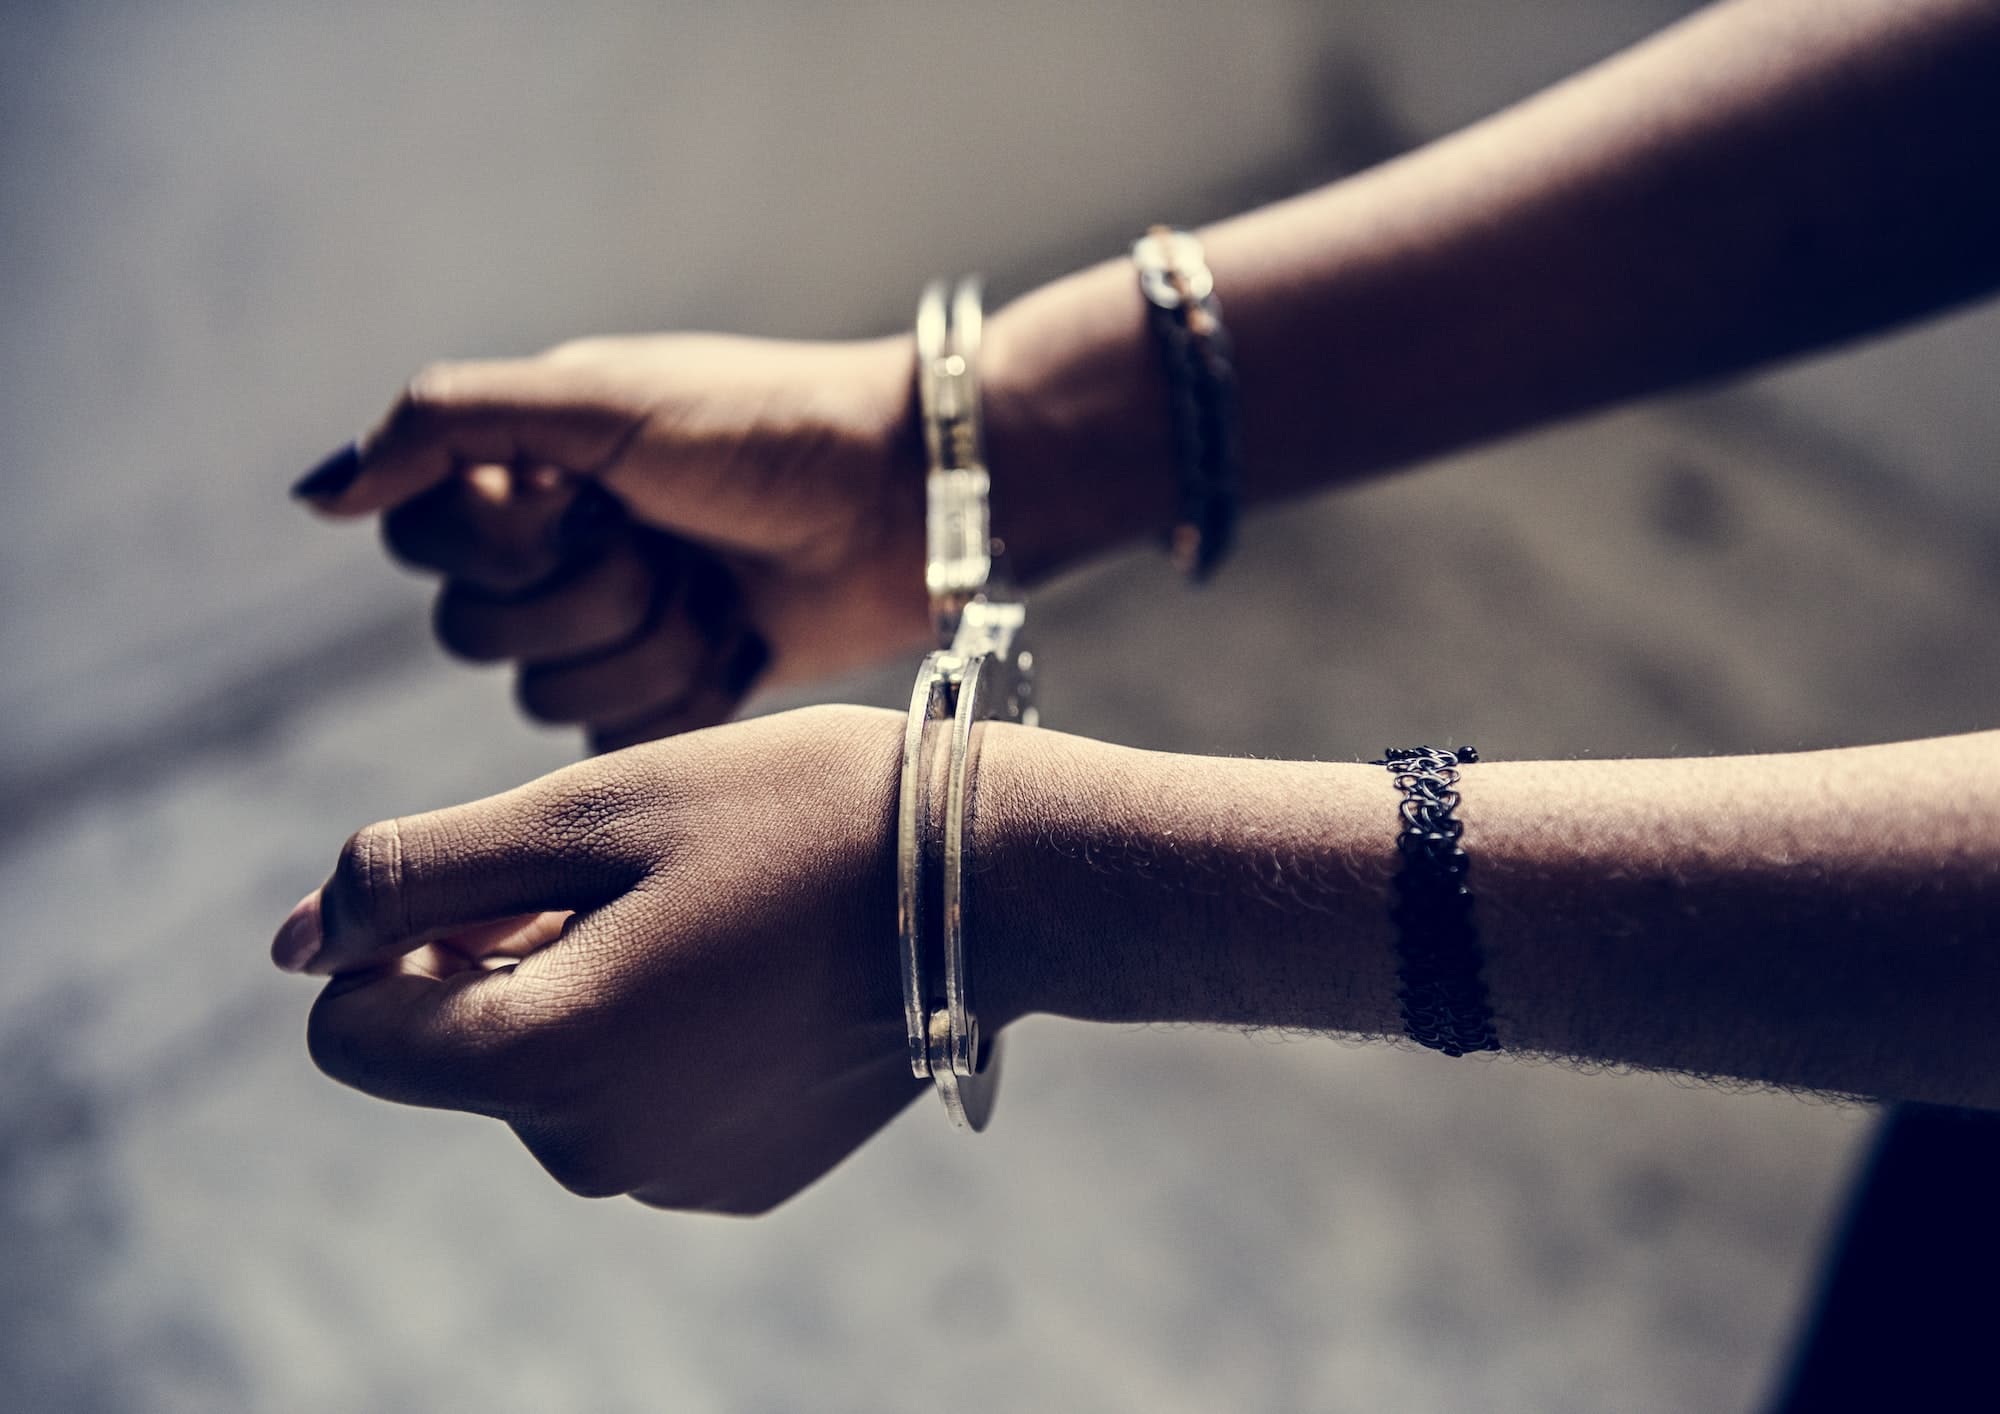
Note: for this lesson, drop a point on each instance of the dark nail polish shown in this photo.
(330, 477)
(588, 520)
(747, 665)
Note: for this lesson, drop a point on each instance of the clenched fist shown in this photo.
(648, 525)
(672, 970)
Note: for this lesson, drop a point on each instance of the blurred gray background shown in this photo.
(229, 232)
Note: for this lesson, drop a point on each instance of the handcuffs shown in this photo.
(980, 672)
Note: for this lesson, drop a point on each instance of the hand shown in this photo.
(671, 970)
(648, 525)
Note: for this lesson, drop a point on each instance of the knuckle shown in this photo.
(601, 816)
(580, 350)
(429, 391)
(367, 880)
(596, 823)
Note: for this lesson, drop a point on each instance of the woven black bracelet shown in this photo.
(1200, 367)
(1438, 962)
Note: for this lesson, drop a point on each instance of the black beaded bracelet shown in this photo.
(1438, 961)
(1201, 381)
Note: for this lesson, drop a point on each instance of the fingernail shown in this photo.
(330, 477)
(299, 936)
(587, 520)
(750, 661)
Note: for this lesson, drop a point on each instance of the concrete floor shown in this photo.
(231, 230)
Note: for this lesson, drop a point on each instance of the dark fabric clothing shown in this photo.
(1911, 1290)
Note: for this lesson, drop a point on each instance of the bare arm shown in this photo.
(1766, 177)
(1769, 176)
(1827, 920)
(673, 969)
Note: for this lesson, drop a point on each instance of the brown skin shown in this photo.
(706, 1033)
(768, 492)
(1768, 176)
(592, 959)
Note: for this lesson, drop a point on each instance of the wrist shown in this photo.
(1019, 826)
(1112, 884)
(893, 436)
(1077, 422)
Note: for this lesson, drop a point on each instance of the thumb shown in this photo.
(506, 412)
(403, 883)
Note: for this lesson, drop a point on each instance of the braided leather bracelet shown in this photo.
(1200, 368)
(1438, 962)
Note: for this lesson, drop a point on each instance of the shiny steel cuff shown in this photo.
(981, 673)
(958, 533)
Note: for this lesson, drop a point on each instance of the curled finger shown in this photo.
(600, 603)
(650, 673)
(502, 530)
(712, 700)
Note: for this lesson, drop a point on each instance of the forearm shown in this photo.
(1766, 177)
(1828, 920)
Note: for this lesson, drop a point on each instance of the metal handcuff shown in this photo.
(980, 672)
